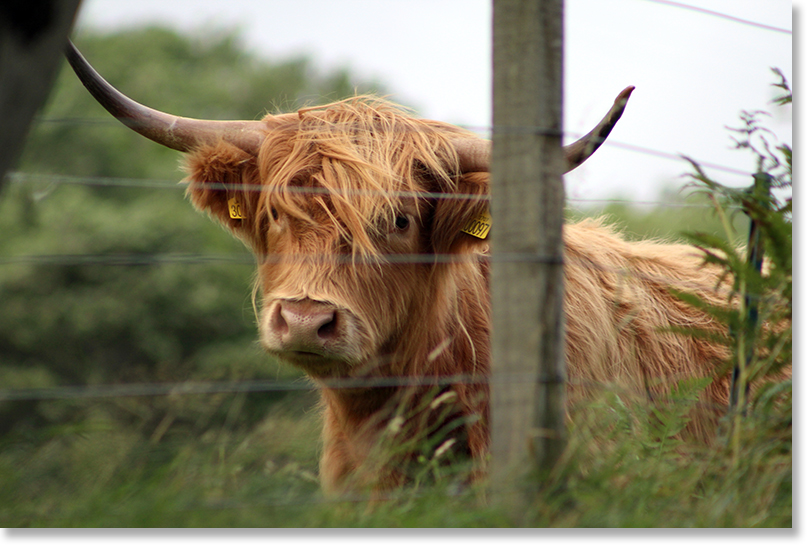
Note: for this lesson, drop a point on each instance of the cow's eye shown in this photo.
(274, 213)
(401, 222)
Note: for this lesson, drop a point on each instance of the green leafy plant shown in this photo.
(759, 305)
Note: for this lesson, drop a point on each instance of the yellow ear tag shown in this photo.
(234, 205)
(478, 227)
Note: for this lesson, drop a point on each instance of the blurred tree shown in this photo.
(73, 321)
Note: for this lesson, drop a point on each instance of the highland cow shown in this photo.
(373, 281)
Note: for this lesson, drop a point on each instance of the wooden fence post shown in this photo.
(527, 392)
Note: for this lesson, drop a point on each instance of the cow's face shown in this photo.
(351, 210)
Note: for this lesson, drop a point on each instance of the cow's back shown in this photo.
(619, 309)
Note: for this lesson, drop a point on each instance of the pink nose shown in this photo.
(305, 325)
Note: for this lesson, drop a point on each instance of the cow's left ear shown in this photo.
(224, 181)
(462, 216)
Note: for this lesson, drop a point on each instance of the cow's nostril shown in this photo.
(328, 329)
(278, 322)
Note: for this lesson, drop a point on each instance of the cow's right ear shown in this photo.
(461, 216)
(224, 181)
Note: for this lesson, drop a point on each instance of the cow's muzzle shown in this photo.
(304, 326)
(311, 334)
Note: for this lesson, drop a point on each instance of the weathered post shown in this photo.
(527, 411)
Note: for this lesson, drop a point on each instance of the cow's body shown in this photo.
(342, 299)
(355, 212)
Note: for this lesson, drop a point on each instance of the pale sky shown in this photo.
(693, 72)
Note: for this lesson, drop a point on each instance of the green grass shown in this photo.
(615, 474)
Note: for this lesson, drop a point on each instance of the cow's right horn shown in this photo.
(178, 133)
(474, 154)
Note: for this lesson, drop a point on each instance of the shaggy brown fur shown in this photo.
(335, 203)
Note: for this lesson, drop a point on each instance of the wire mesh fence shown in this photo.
(236, 387)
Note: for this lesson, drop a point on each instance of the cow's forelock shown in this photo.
(352, 164)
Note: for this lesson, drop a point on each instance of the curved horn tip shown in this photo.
(625, 93)
(622, 99)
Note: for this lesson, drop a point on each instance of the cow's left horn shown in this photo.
(183, 134)
(474, 154)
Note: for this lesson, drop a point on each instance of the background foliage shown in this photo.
(152, 313)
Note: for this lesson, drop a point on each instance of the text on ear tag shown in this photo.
(478, 227)
(234, 205)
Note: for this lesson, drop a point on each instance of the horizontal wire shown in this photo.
(125, 259)
(165, 389)
(348, 259)
(56, 179)
(676, 157)
(19, 177)
(315, 259)
(316, 498)
(722, 15)
(663, 204)
(305, 384)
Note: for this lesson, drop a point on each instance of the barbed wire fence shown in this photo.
(263, 386)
